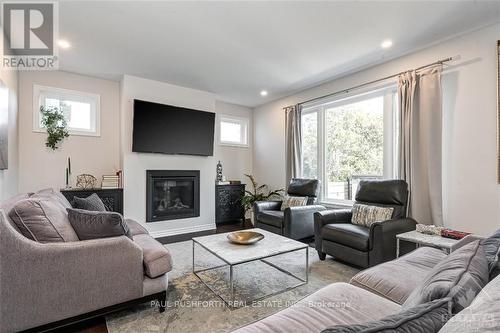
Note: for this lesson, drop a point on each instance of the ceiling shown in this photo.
(236, 49)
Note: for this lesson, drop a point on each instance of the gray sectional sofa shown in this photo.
(379, 292)
(46, 285)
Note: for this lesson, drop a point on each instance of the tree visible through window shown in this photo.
(343, 142)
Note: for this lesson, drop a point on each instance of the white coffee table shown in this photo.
(233, 255)
(420, 239)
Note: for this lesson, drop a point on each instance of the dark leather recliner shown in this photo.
(359, 245)
(293, 222)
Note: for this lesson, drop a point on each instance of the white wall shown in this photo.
(471, 192)
(41, 167)
(9, 178)
(236, 160)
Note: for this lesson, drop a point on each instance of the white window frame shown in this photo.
(390, 131)
(244, 122)
(94, 100)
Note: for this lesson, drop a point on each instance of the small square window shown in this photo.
(233, 131)
(80, 109)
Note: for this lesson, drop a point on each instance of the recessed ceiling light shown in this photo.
(63, 44)
(263, 93)
(386, 44)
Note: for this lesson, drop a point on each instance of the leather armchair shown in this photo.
(293, 222)
(359, 245)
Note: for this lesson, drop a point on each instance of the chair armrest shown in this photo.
(332, 216)
(49, 282)
(260, 206)
(299, 221)
(466, 240)
(325, 217)
(383, 238)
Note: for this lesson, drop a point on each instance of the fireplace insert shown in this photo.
(172, 194)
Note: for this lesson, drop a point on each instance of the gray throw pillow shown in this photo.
(461, 276)
(492, 250)
(92, 202)
(424, 318)
(43, 220)
(91, 224)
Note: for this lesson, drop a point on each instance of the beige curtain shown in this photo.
(293, 137)
(420, 140)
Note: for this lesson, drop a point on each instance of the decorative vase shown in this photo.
(249, 216)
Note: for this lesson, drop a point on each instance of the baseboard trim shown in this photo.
(183, 234)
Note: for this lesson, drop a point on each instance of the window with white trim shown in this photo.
(233, 131)
(347, 139)
(81, 109)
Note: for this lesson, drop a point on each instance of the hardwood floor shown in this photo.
(98, 325)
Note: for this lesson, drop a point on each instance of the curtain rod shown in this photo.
(439, 62)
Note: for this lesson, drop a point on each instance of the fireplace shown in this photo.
(172, 194)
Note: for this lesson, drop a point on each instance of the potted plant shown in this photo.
(55, 123)
(259, 193)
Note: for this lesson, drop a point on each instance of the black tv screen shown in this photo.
(168, 129)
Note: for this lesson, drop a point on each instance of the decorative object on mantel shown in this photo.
(245, 237)
(260, 193)
(86, 181)
(219, 177)
(68, 173)
(429, 229)
(55, 123)
(110, 181)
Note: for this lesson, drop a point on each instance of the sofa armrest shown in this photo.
(383, 238)
(43, 283)
(466, 240)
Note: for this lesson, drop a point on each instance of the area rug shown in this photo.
(193, 307)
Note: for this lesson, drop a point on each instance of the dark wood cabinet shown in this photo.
(112, 198)
(228, 206)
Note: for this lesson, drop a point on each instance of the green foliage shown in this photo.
(259, 193)
(354, 140)
(55, 123)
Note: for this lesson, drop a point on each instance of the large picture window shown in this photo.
(348, 139)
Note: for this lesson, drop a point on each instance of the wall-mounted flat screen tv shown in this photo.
(168, 129)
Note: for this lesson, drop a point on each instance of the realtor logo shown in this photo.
(30, 30)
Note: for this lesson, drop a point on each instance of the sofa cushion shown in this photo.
(335, 304)
(483, 315)
(271, 217)
(92, 202)
(290, 201)
(492, 250)
(366, 215)
(93, 225)
(43, 220)
(354, 236)
(461, 275)
(135, 227)
(396, 279)
(157, 259)
(51, 194)
(424, 318)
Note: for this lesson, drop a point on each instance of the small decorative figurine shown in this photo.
(219, 177)
(86, 181)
